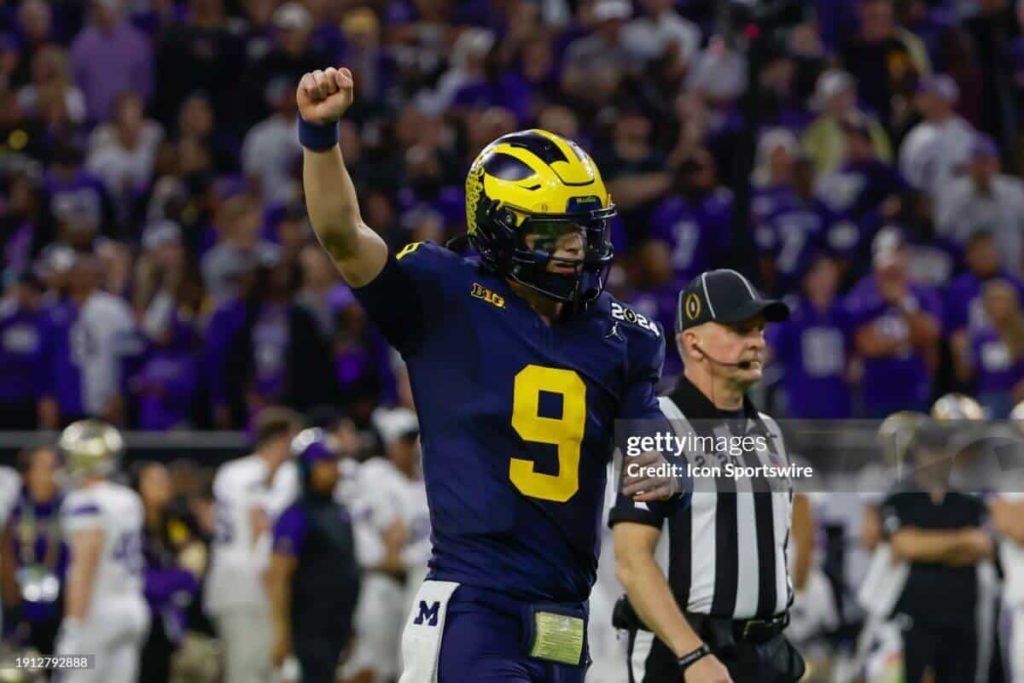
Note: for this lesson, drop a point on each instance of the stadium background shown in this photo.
(879, 137)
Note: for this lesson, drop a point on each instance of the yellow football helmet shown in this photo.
(957, 407)
(535, 183)
(91, 447)
(896, 433)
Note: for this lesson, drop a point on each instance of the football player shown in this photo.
(104, 610)
(250, 493)
(520, 365)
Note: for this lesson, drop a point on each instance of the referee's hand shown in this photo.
(648, 476)
(707, 670)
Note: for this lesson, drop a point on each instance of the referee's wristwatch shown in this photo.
(687, 660)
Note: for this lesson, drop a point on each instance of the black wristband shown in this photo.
(318, 137)
(690, 657)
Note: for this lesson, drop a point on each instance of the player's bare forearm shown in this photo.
(647, 588)
(279, 579)
(85, 558)
(359, 253)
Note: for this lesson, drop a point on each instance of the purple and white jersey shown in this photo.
(814, 348)
(83, 352)
(82, 199)
(791, 233)
(996, 369)
(697, 232)
(963, 301)
(901, 378)
(116, 511)
(21, 353)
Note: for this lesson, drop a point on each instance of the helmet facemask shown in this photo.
(564, 257)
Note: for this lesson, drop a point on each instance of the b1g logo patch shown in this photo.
(692, 307)
(628, 315)
(481, 292)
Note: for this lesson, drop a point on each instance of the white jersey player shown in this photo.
(1007, 510)
(105, 612)
(249, 494)
(389, 508)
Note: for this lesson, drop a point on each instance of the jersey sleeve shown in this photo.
(80, 513)
(646, 357)
(290, 532)
(407, 298)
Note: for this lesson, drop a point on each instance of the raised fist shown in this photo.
(323, 96)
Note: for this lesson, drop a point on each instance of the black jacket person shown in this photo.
(314, 578)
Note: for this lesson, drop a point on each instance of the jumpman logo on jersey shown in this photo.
(614, 332)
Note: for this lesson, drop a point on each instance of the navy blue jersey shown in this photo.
(516, 418)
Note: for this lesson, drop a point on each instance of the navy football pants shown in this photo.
(484, 643)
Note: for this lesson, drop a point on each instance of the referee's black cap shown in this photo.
(724, 296)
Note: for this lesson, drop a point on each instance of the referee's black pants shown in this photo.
(772, 661)
(951, 652)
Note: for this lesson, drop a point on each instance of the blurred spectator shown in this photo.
(313, 578)
(634, 169)
(122, 152)
(359, 354)
(964, 310)
(719, 72)
(21, 353)
(34, 555)
(35, 31)
(799, 225)
(467, 70)
(884, 59)
(370, 63)
(997, 350)
(174, 565)
(292, 54)
(773, 170)
(319, 278)
(166, 383)
(659, 29)
(815, 345)
(271, 151)
(656, 290)
(200, 53)
(239, 247)
(896, 331)
(84, 340)
(992, 28)
(836, 98)
(79, 201)
(25, 224)
(108, 57)
(934, 151)
(864, 189)
(251, 493)
(988, 200)
(277, 355)
(594, 65)
(20, 135)
(52, 96)
(695, 219)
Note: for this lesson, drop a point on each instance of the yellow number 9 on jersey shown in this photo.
(566, 432)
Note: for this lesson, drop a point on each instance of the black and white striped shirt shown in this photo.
(726, 551)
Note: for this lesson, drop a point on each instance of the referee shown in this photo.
(707, 585)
